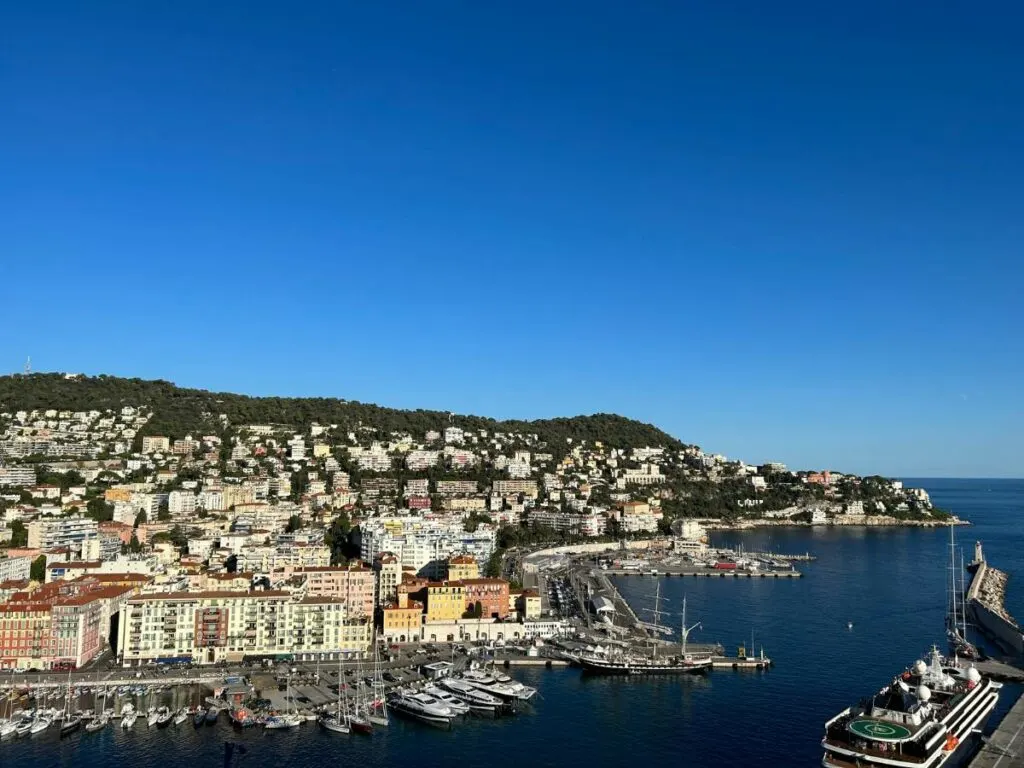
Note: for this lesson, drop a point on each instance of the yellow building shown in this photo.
(446, 601)
(463, 567)
(402, 625)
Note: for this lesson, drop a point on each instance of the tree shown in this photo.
(294, 524)
(19, 534)
(99, 510)
(134, 547)
(163, 514)
(141, 519)
(37, 571)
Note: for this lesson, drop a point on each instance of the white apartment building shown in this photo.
(15, 568)
(70, 532)
(17, 476)
(419, 460)
(424, 543)
(181, 502)
(210, 627)
(587, 523)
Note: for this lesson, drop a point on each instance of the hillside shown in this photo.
(178, 411)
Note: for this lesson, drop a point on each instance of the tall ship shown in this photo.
(922, 718)
(956, 615)
(627, 662)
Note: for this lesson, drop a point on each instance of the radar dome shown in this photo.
(924, 692)
(973, 675)
(920, 667)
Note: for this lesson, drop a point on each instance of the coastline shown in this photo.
(846, 521)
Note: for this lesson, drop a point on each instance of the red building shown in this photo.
(489, 597)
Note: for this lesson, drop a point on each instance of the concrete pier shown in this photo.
(1005, 747)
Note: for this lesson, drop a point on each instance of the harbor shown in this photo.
(1004, 747)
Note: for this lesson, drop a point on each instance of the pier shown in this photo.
(1005, 747)
(985, 602)
(707, 573)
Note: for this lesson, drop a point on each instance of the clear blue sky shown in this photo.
(787, 230)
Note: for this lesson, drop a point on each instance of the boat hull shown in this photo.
(603, 667)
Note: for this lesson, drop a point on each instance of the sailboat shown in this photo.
(377, 712)
(338, 723)
(956, 619)
(287, 720)
(358, 720)
(71, 722)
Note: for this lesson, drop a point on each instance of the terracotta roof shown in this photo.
(185, 596)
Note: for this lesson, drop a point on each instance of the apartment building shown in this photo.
(209, 627)
(70, 532)
(512, 487)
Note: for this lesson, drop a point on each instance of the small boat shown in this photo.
(97, 724)
(241, 718)
(279, 722)
(210, 718)
(198, 717)
(40, 724)
(360, 724)
(24, 727)
(334, 724)
(164, 717)
(70, 724)
(152, 716)
(8, 729)
(128, 721)
(181, 716)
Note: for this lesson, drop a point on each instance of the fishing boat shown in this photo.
(181, 716)
(922, 718)
(152, 716)
(211, 716)
(479, 702)
(198, 717)
(164, 717)
(241, 718)
(422, 707)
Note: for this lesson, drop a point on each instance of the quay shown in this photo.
(986, 603)
(1005, 747)
(707, 573)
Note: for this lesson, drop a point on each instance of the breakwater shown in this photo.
(986, 600)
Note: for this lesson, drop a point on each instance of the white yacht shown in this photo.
(278, 722)
(488, 684)
(422, 707)
(922, 718)
(40, 724)
(448, 698)
(479, 701)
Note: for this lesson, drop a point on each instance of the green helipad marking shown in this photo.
(879, 731)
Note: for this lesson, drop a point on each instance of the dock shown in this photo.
(707, 573)
(1000, 671)
(1005, 747)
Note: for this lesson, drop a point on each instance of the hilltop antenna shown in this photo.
(28, 365)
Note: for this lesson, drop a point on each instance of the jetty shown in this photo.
(1005, 747)
(986, 604)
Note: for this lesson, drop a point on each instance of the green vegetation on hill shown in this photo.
(178, 411)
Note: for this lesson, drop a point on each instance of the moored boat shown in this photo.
(70, 724)
(422, 707)
(211, 716)
(922, 718)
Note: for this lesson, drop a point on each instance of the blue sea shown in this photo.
(889, 583)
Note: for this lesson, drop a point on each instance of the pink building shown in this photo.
(351, 584)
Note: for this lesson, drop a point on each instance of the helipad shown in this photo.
(879, 730)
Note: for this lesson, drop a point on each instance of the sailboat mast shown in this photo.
(682, 627)
(963, 595)
(952, 619)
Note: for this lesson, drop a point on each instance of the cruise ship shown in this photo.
(922, 718)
